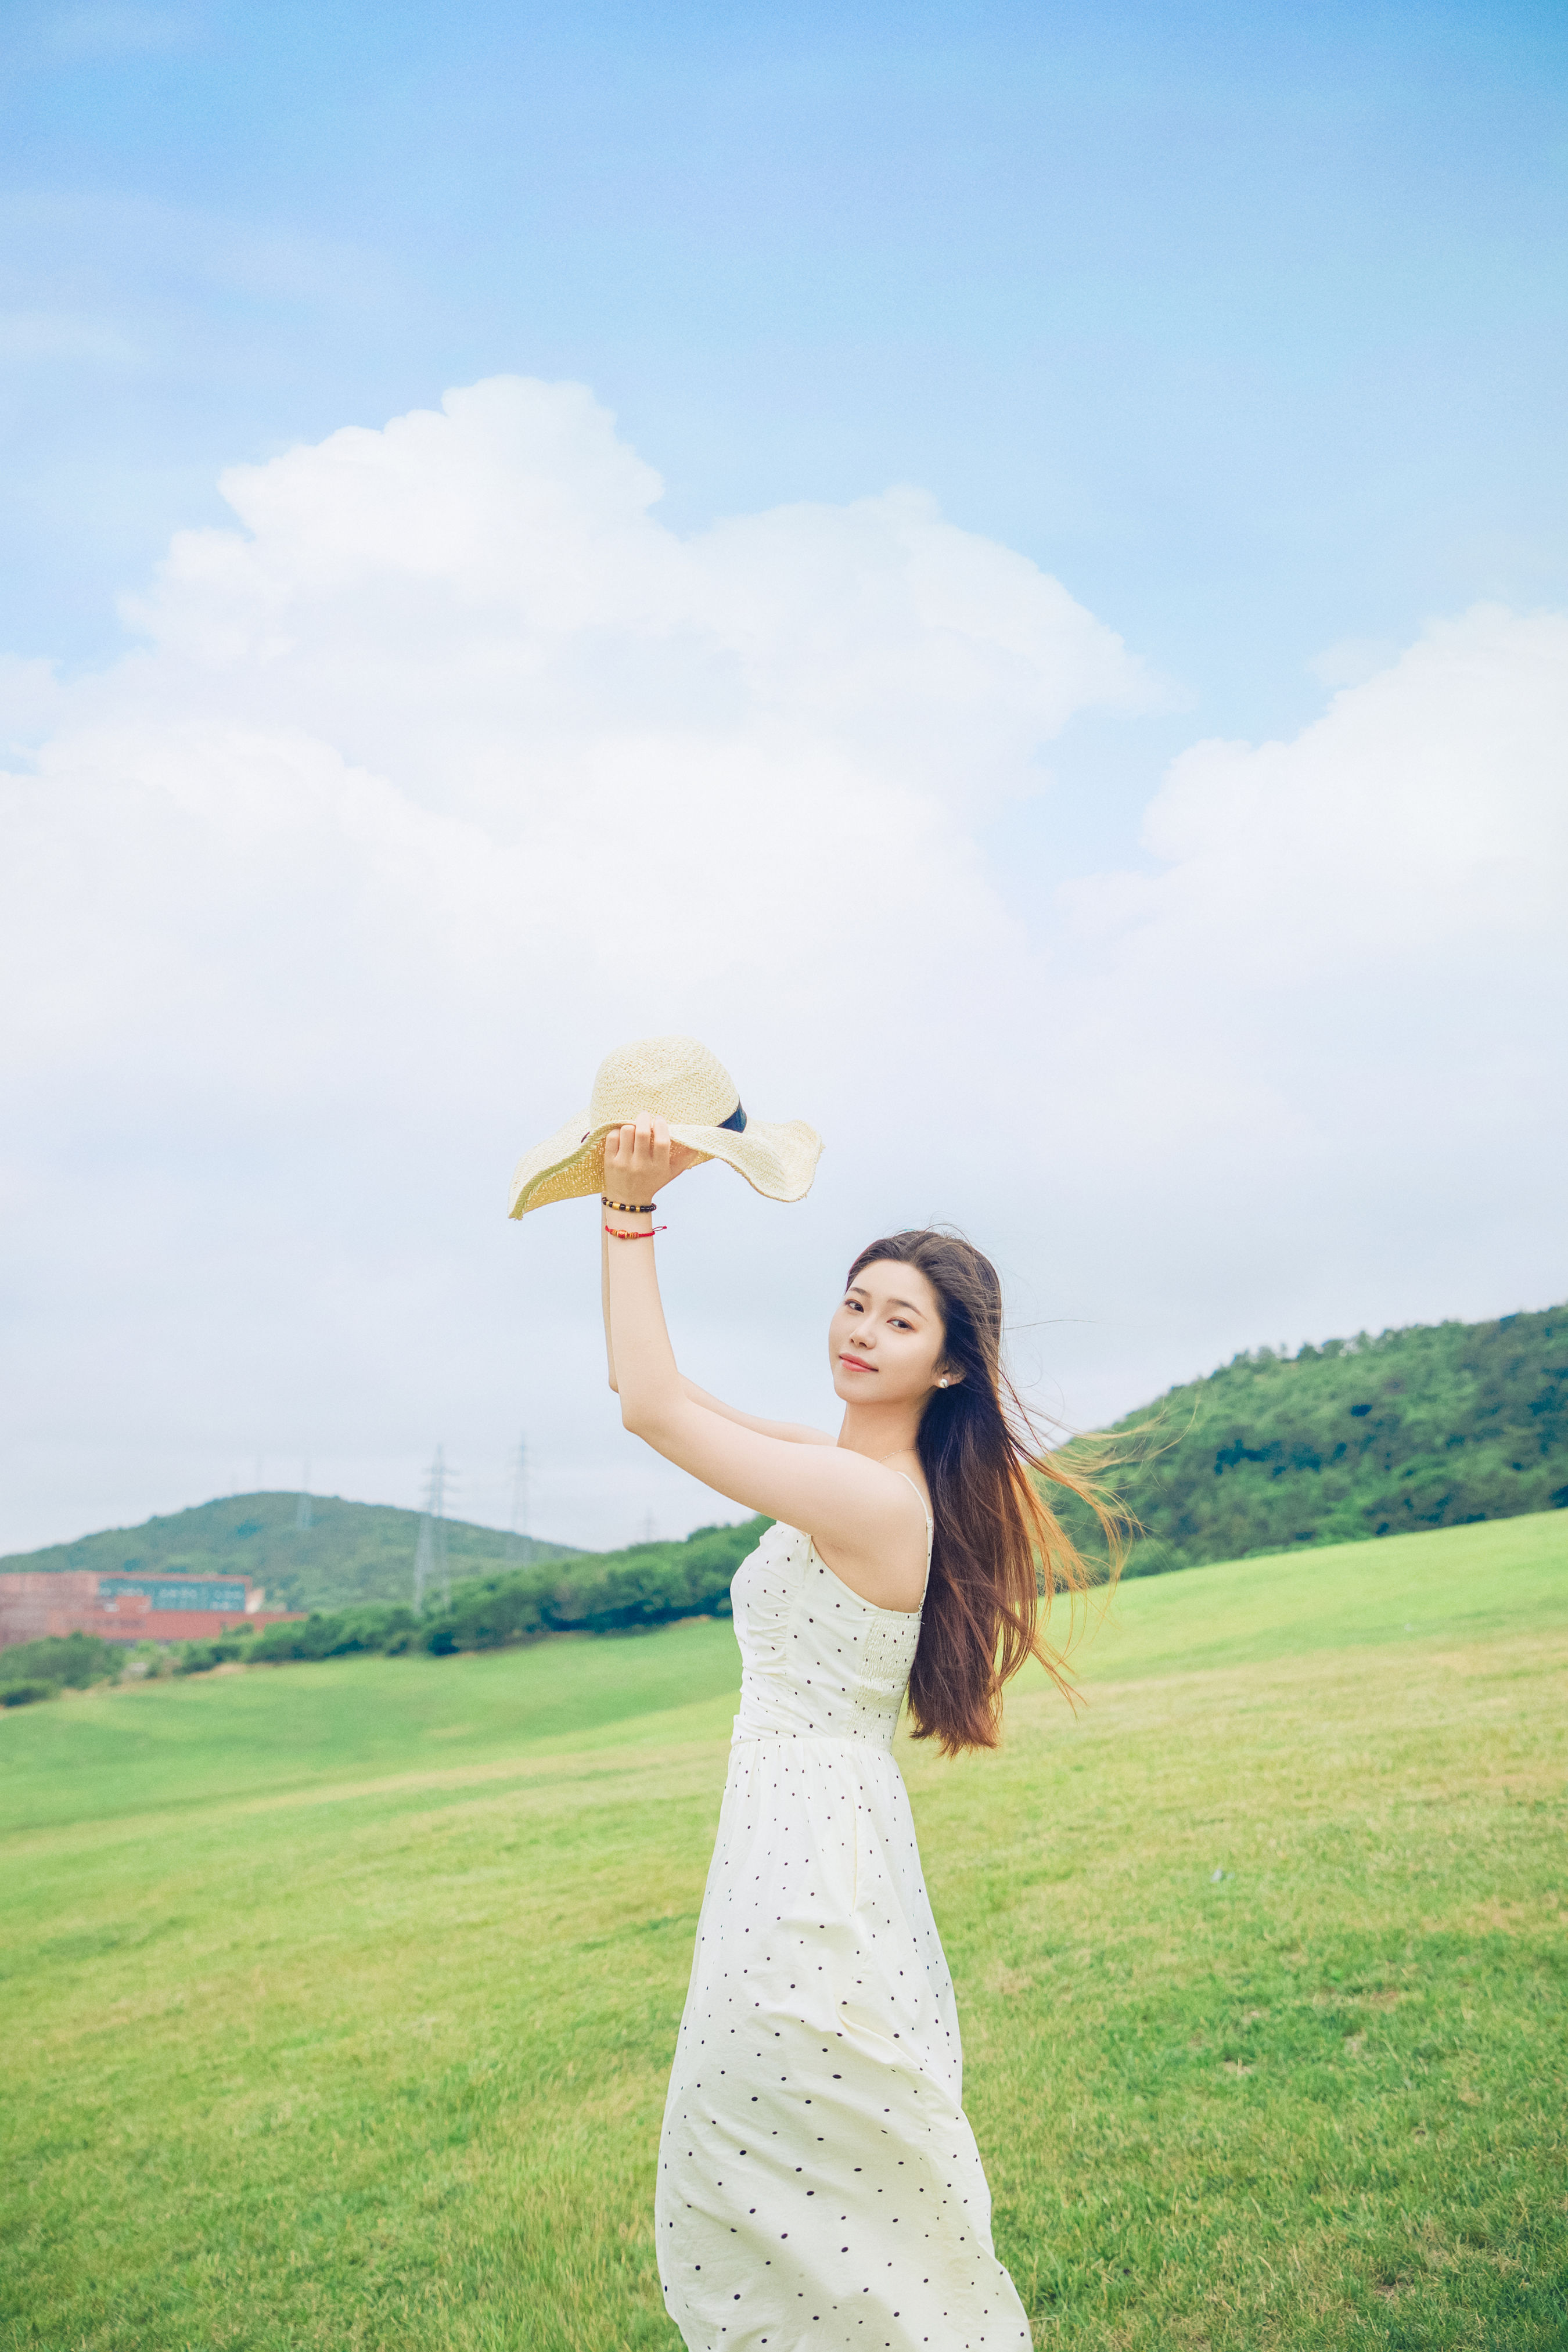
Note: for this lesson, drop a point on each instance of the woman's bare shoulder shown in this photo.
(890, 1571)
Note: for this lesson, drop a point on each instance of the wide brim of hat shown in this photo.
(779, 1162)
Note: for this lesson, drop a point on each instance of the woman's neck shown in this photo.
(878, 1431)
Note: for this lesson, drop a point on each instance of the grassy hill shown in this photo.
(350, 1551)
(342, 1996)
(1433, 1426)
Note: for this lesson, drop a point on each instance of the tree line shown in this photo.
(626, 1591)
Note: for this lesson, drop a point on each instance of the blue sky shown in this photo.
(1247, 321)
(1243, 324)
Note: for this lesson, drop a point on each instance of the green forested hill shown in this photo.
(1426, 1427)
(349, 1552)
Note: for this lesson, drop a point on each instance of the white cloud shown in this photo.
(451, 765)
(1425, 808)
(30, 701)
(1339, 1002)
(1351, 661)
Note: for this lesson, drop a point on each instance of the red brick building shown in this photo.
(166, 1605)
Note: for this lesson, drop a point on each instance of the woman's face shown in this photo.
(885, 1342)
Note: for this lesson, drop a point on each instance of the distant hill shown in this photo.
(1431, 1426)
(351, 1552)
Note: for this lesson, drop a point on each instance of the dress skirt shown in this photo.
(819, 2187)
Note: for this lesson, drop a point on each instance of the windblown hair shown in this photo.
(1000, 1554)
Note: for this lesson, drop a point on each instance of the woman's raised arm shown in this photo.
(867, 1516)
(793, 1433)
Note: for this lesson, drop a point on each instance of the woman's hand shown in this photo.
(640, 1159)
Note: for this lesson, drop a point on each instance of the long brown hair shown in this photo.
(1000, 1554)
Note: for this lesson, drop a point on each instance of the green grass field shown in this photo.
(340, 1997)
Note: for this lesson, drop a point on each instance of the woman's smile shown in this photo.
(857, 1363)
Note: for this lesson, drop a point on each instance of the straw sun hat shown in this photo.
(679, 1080)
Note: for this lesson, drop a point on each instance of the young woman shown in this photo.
(819, 2186)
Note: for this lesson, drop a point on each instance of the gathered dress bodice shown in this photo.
(818, 1661)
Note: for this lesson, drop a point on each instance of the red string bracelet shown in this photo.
(626, 1234)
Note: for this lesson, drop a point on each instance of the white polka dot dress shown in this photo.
(819, 2187)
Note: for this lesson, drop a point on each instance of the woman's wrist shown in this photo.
(628, 1222)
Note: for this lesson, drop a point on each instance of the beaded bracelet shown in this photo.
(627, 1208)
(641, 1234)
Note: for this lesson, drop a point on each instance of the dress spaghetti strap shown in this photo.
(930, 1527)
(931, 1523)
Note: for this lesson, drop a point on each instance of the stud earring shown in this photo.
(942, 1383)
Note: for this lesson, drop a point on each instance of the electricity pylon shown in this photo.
(304, 1517)
(518, 1523)
(430, 1552)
